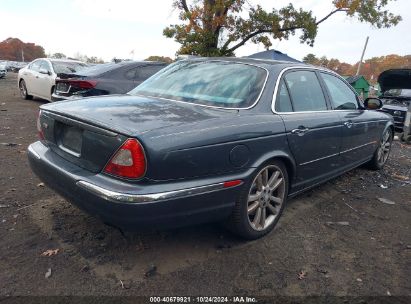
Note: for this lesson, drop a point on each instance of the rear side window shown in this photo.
(305, 90)
(145, 72)
(283, 103)
(342, 97)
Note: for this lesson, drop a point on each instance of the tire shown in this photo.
(23, 90)
(382, 153)
(264, 196)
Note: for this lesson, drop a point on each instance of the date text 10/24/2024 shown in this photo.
(200, 299)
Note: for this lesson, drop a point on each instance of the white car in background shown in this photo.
(39, 76)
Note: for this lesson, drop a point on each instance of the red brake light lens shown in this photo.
(39, 129)
(82, 84)
(129, 161)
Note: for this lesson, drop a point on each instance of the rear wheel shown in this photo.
(23, 90)
(261, 203)
(383, 151)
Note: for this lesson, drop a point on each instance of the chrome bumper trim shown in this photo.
(31, 150)
(146, 198)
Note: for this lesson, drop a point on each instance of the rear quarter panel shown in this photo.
(216, 147)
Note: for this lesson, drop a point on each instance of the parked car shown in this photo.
(38, 77)
(3, 71)
(207, 140)
(395, 87)
(104, 79)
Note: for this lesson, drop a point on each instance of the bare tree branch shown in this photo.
(330, 14)
(185, 6)
(253, 34)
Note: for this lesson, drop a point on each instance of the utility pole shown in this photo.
(22, 55)
(362, 56)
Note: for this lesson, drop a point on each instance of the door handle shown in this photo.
(300, 131)
(348, 124)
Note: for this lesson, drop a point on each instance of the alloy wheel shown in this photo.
(265, 198)
(23, 90)
(384, 148)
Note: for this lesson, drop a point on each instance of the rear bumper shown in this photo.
(132, 206)
(55, 97)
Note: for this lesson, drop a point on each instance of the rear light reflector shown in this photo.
(82, 84)
(232, 183)
(129, 161)
(39, 128)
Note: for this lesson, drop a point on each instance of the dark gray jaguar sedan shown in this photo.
(208, 139)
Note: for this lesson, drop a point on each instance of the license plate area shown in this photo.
(69, 138)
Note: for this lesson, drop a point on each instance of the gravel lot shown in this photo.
(341, 239)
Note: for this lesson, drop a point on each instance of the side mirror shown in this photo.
(44, 71)
(373, 103)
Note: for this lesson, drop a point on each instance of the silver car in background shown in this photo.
(3, 70)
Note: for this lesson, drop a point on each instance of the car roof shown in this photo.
(268, 64)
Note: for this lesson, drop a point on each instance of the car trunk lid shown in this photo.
(88, 131)
(133, 115)
(87, 146)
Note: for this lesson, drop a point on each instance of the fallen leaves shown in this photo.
(338, 223)
(48, 273)
(50, 252)
(386, 201)
(400, 177)
(302, 275)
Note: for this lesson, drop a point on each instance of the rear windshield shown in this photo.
(67, 67)
(211, 83)
(99, 69)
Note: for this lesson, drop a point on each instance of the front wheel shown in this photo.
(261, 203)
(23, 90)
(382, 153)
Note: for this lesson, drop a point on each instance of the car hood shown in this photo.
(134, 115)
(395, 79)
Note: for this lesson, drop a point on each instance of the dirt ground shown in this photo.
(350, 237)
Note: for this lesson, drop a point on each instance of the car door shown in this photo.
(44, 80)
(313, 130)
(360, 131)
(29, 76)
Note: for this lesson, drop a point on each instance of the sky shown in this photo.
(133, 29)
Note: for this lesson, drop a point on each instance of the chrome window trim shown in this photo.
(358, 147)
(216, 107)
(118, 197)
(311, 68)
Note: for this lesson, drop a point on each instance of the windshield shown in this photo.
(68, 67)
(212, 83)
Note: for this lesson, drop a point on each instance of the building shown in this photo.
(360, 84)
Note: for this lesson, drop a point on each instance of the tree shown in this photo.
(58, 56)
(16, 50)
(159, 58)
(218, 28)
(311, 59)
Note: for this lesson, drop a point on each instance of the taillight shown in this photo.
(82, 84)
(39, 129)
(129, 161)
